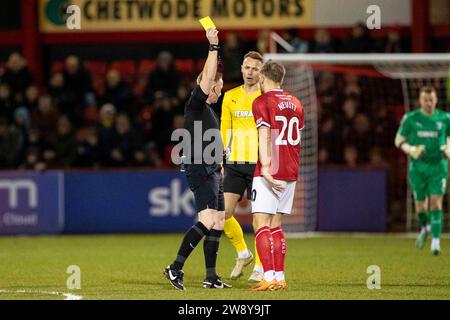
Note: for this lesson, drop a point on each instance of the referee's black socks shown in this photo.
(190, 241)
(210, 249)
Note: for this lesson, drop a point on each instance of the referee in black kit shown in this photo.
(203, 172)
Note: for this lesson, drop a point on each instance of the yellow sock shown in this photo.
(257, 261)
(233, 231)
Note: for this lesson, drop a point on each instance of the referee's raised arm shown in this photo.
(208, 74)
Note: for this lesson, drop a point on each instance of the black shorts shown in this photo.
(206, 183)
(238, 178)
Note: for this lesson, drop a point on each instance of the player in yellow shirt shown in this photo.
(240, 140)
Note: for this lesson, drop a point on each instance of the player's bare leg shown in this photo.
(264, 245)
(279, 250)
(233, 231)
(422, 211)
(436, 218)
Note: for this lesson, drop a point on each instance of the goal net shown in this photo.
(368, 93)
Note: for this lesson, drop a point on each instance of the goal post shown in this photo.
(390, 81)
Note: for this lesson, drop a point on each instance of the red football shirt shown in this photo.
(284, 115)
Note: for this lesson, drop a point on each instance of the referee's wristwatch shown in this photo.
(214, 47)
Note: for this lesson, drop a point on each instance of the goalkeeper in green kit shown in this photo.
(423, 136)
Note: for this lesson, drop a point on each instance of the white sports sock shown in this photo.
(243, 254)
(258, 269)
(428, 228)
(279, 275)
(269, 275)
(435, 243)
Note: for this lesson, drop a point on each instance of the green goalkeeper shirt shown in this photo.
(432, 132)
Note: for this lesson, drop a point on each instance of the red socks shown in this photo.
(279, 248)
(264, 245)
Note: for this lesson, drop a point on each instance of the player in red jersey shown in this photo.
(279, 117)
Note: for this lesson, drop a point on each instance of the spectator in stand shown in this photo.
(76, 78)
(30, 100)
(352, 88)
(33, 160)
(330, 138)
(350, 108)
(21, 128)
(359, 40)
(351, 157)
(17, 75)
(263, 42)
(7, 103)
(361, 136)
(118, 92)
(323, 156)
(65, 146)
(392, 43)
(232, 54)
(376, 158)
(9, 146)
(384, 125)
(78, 85)
(105, 131)
(292, 37)
(326, 92)
(164, 79)
(89, 152)
(154, 156)
(125, 143)
(63, 98)
(177, 123)
(45, 118)
(183, 94)
(144, 123)
(322, 42)
(162, 122)
(33, 140)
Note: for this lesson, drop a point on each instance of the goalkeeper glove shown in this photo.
(413, 151)
(446, 150)
(416, 151)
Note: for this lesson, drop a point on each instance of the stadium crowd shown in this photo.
(70, 123)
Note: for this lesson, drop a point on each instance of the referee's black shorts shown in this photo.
(238, 178)
(206, 183)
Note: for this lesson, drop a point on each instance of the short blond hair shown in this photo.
(254, 55)
(273, 71)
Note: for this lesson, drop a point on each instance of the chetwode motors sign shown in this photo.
(144, 15)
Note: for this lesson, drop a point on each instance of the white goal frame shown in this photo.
(384, 63)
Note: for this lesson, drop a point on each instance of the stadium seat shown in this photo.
(57, 66)
(127, 69)
(97, 70)
(146, 66)
(143, 69)
(96, 67)
(199, 65)
(185, 65)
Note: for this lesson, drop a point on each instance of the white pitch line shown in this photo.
(67, 296)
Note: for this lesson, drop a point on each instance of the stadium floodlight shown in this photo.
(383, 76)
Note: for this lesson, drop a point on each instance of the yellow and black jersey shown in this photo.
(237, 126)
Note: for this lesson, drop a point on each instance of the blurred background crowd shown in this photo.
(122, 113)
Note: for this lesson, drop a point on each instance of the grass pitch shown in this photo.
(130, 267)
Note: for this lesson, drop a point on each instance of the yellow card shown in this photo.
(207, 23)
